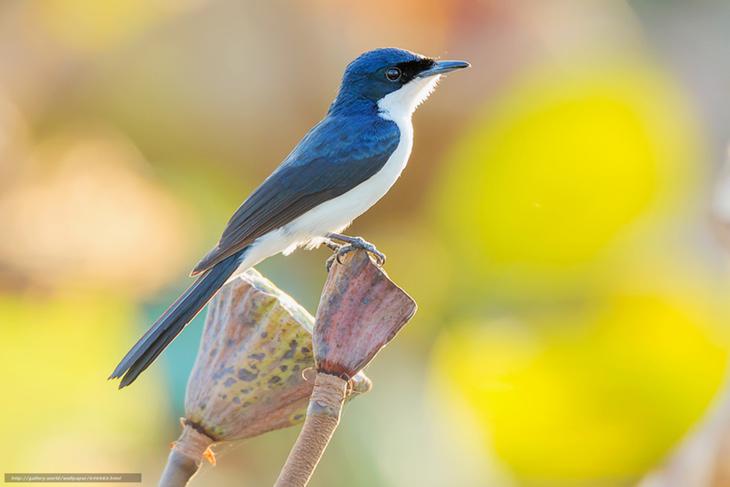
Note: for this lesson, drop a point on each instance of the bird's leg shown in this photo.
(353, 243)
(334, 247)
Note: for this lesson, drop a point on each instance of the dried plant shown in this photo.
(360, 311)
(248, 376)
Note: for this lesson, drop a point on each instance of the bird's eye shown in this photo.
(393, 74)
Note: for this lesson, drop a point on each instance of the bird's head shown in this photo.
(394, 80)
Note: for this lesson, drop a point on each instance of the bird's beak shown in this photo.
(442, 67)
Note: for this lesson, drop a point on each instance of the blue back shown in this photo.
(346, 148)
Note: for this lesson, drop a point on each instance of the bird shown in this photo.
(340, 168)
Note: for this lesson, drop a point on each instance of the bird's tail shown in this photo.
(172, 321)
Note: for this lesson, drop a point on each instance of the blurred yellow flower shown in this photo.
(599, 390)
(54, 353)
(563, 164)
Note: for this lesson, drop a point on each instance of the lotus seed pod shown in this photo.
(360, 311)
(248, 376)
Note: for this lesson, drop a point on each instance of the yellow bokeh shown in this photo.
(59, 349)
(559, 168)
(599, 390)
(574, 177)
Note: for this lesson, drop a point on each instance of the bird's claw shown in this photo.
(330, 261)
(355, 244)
(360, 243)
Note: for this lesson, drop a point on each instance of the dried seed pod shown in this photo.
(360, 311)
(248, 376)
(247, 379)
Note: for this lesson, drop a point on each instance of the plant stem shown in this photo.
(185, 458)
(178, 471)
(323, 416)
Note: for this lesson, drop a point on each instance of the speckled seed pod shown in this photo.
(360, 311)
(247, 378)
(248, 375)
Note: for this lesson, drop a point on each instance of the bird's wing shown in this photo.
(335, 156)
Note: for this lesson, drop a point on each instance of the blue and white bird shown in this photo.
(342, 167)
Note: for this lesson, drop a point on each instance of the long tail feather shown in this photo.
(172, 321)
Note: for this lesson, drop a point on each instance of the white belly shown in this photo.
(336, 214)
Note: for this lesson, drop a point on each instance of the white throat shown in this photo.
(400, 105)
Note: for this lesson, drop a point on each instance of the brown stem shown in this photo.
(185, 457)
(179, 470)
(323, 416)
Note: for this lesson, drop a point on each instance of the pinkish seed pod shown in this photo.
(360, 311)
(247, 378)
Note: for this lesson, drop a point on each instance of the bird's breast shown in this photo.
(359, 199)
(336, 214)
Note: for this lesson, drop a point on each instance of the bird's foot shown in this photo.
(351, 244)
(334, 247)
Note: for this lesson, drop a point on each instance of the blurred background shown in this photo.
(552, 225)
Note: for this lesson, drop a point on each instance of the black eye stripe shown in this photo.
(411, 68)
(404, 72)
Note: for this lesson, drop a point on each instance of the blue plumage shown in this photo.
(342, 166)
(338, 154)
(364, 81)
